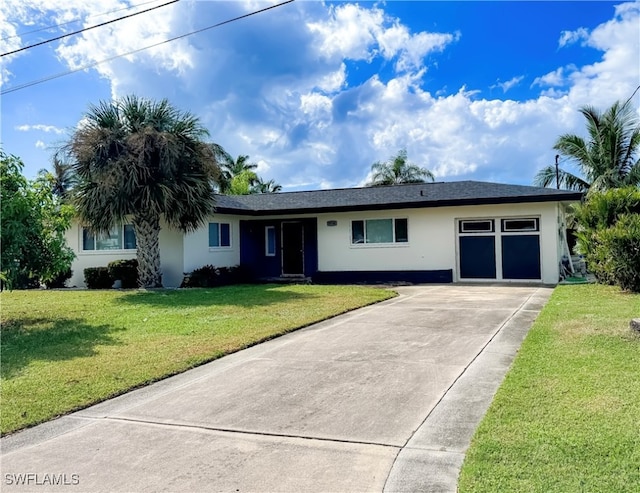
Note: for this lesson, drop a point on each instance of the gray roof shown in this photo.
(409, 196)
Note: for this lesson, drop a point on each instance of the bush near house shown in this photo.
(609, 236)
(621, 246)
(209, 276)
(60, 281)
(98, 278)
(125, 271)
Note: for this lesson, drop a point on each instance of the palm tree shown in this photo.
(139, 159)
(232, 168)
(61, 176)
(261, 186)
(397, 170)
(608, 159)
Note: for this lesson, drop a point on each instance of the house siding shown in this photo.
(197, 252)
(433, 240)
(432, 253)
(170, 256)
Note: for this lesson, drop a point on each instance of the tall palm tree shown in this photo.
(397, 170)
(231, 168)
(608, 159)
(140, 159)
(261, 186)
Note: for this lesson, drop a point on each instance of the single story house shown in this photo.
(465, 231)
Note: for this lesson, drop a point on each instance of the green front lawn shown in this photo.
(64, 350)
(567, 416)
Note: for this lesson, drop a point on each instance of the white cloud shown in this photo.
(571, 37)
(40, 144)
(554, 78)
(357, 33)
(107, 42)
(282, 91)
(316, 138)
(510, 84)
(40, 127)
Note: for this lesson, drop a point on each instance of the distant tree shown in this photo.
(609, 158)
(33, 224)
(398, 170)
(141, 160)
(231, 168)
(261, 186)
(62, 175)
(242, 183)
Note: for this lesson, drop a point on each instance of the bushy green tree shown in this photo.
(609, 235)
(33, 223)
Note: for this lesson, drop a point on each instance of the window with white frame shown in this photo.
(219, 235)
(477, 226)
(520, 224)
(270, 241)
(370, 231)
(119, 238)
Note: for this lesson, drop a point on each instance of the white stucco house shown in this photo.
(466, 231)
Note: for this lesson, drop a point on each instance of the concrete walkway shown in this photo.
(385, 398)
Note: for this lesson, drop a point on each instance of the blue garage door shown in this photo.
(478, 257)
(521, 257)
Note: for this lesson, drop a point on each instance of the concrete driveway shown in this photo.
(385, 398)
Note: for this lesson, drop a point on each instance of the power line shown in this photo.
(87, 28)
(634, 93)
(53, 26)
(40, 81)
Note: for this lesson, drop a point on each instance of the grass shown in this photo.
(566, 418)
(65, 350)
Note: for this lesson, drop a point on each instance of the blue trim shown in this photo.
(253, 253)
(380, 276)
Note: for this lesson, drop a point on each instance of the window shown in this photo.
(219, 235)
(477, 226)
(270, 241)
(120, 238)
(513, 225)
(379, 231)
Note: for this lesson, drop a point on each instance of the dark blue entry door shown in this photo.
(292, 248)
(478, 257)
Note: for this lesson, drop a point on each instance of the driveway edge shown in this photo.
(432, 458)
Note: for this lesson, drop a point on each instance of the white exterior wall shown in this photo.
(433, 239)
(196, 246)
(170, 256)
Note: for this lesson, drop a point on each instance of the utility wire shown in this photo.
(53, 26)
(87, 28)
(33, 83)
(634, 93)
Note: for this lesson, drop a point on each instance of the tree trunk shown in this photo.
(147, 228)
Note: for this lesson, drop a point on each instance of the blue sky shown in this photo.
(316, 92)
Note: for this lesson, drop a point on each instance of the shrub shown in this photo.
(59, 281)
(125, 271)
(210, 276)
(26, 281)
(98, 278)
(620, 245)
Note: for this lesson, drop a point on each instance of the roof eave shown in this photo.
(560, 197)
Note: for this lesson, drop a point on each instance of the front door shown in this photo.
(292, 249)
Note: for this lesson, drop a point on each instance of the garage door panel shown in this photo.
(521, 257)
(477, 257)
